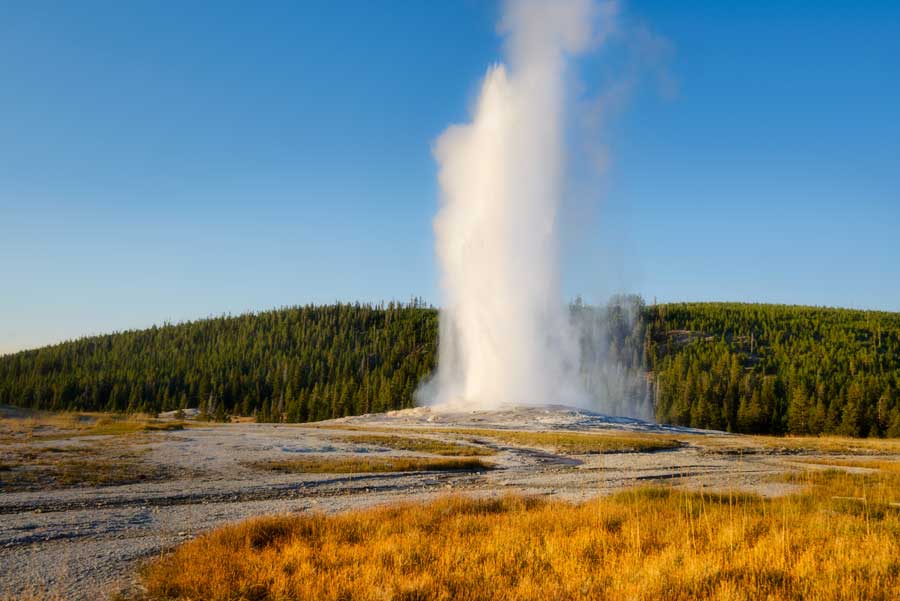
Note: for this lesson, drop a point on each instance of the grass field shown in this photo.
(49, 451)
(566, 442)
(838, 540)
(27, 426)
(837, 535)
(798, 445)
(419, 444)
(578, 443)
(48, 468)
(362, 465)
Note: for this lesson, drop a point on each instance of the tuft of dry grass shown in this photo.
(28, 425)
(832, 444)
(650, 543)
(579, 443)
(26, 468)
(876, 492)
(419, 445)
(354, 465)
(120, 426)
(25, 425)
(795, 445)
(567, 442)
(27, 463)
(79, 472)
(886, 465)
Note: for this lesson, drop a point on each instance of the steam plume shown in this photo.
(506, 336)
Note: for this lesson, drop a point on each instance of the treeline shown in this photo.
(737, 367)
(775, 369)
(296, 364)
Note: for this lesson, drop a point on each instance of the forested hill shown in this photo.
(300, 364)
(774, 368)
(738, 367)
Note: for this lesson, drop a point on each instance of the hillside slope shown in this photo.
(737, 367)
(775, 368)
(302, 363)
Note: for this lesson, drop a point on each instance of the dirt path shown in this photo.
(87, 542)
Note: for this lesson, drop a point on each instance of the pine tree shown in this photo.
(799, 411)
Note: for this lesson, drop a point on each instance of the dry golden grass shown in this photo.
(643, 544)
(566, 442)
(352, 428)
(117, 427)
(795, 444)
(28, 463)
(25, 425)
(867, 463)
(874, 494)
(833, 444)
(29, 425)
(32, 467)
(578, 443)
(78, 472)
(419, 445)
(360, 465)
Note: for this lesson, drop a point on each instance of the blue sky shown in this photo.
(160, 161)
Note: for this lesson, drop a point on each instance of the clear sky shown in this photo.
(168, 161)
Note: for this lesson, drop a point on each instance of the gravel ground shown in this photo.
(87, 543)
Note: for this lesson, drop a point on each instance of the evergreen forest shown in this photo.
(753, 368)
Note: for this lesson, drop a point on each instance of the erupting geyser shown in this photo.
(505, 334)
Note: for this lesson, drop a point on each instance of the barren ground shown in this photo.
(86, 542)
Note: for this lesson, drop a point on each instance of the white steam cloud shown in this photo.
(506, 335)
